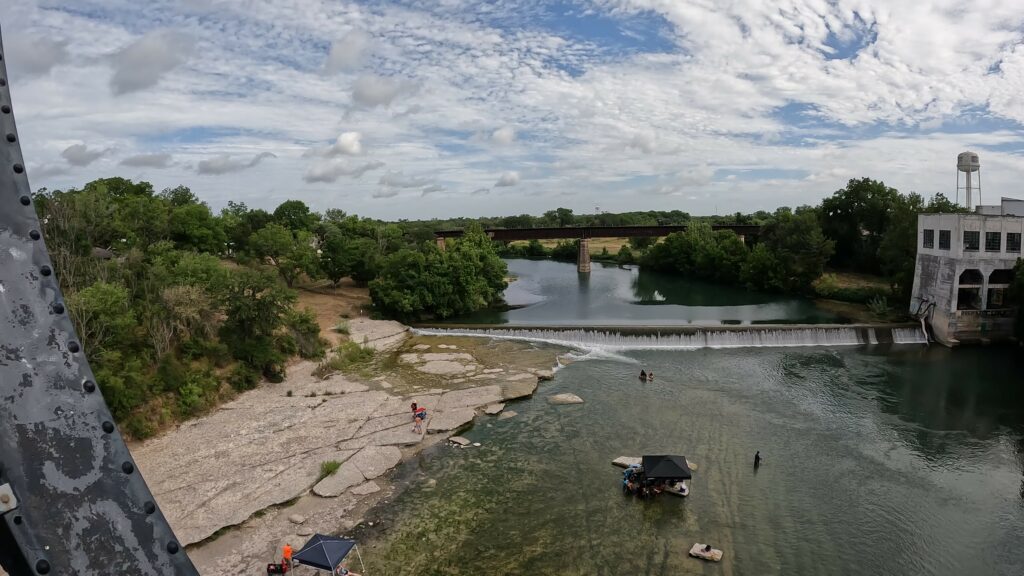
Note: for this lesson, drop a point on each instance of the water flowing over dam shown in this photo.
(692, 338)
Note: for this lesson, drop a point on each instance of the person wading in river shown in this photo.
(757, 459)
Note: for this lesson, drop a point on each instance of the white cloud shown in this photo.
(349, 143)
(507, 179)
(34, 55)
(503, 136)
(348, 52)
(81, 155)
(332, 169)
(400, 180)
(142, 63)
(224, 163)
(148, 160)
(386, 193)
(371, 90)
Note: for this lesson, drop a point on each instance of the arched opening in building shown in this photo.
(968, 294)
(999, 289)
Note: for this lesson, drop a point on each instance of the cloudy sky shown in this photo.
(430, 108)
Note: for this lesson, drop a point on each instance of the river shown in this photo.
(554, 294)
(891, 460)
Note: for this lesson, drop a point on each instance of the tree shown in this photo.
(761, 271)
(291, 253)
(797, 244)
(254, 309)
(179, 196)
(193, 227)
(856, 218)
(295, 215)
(103, 317)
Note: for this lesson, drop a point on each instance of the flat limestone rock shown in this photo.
(421, 347)
(566, 398)
(507, 414)
(470, 398)
(450, 420)
(445, 367)
(518, 389)
(493, 370)
(346, 477)
(385, 423)
(365, 488)
(377, 334)
(544, 374)
(296, 518)
(403, 405)
(522, 376)
(304, 531)
(397, 436)
(493, 409)
(461, 441)
(373, 461)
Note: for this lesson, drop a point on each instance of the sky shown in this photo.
(438, 108)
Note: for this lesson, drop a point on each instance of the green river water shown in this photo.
(889, 460)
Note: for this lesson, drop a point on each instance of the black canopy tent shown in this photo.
(324, 552)
(666, 468)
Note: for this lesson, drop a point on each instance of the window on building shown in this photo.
(1002, 276)
(993, 242)
(971, 277)
(1013, 242)
(929, 238)
(968, 299)
(944, 239)
(996, 299)
(972, 240)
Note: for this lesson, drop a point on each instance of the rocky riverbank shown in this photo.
(240, 482)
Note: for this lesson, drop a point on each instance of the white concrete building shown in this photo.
(964, 267)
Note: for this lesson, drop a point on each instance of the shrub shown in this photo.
(328, 468)
(347, 357)
(198, 392)
(305, 331)
(342, 327)
(878, 305)
(243, 378)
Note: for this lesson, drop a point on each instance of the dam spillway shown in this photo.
(694, 337)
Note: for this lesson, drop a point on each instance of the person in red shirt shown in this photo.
(286, 555)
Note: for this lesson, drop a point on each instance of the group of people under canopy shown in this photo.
(656, 474)
(326, 553)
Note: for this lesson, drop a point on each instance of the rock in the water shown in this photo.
(493, 370)
(296, 519)
(461, 441)
(334, 485)
(545, 374)
(493, 409)
(514, 389)
(445, 367)
(364, 489)
(421, 347)
(476, 444)
(507, 414)
(565, 398)
(373, 461)
(469, 398)
(450, 420)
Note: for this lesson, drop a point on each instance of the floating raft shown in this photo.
(698, 552)
(627, 461)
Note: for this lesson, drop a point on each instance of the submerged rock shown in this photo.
(493, 409)
(366, 488)
(566, 398)
(459, 440)
(507, 414)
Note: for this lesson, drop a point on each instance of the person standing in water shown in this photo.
(757, 459)
(643, 375)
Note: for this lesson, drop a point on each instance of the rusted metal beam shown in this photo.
(75, 502)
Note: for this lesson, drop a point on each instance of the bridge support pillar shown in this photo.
(440, 243)
(742, 238)
(583, 259)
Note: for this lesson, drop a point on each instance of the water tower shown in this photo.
(967, 162)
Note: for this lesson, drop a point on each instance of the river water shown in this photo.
(892, 460)
(554, 294)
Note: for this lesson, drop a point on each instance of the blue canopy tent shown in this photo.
(324, 552)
